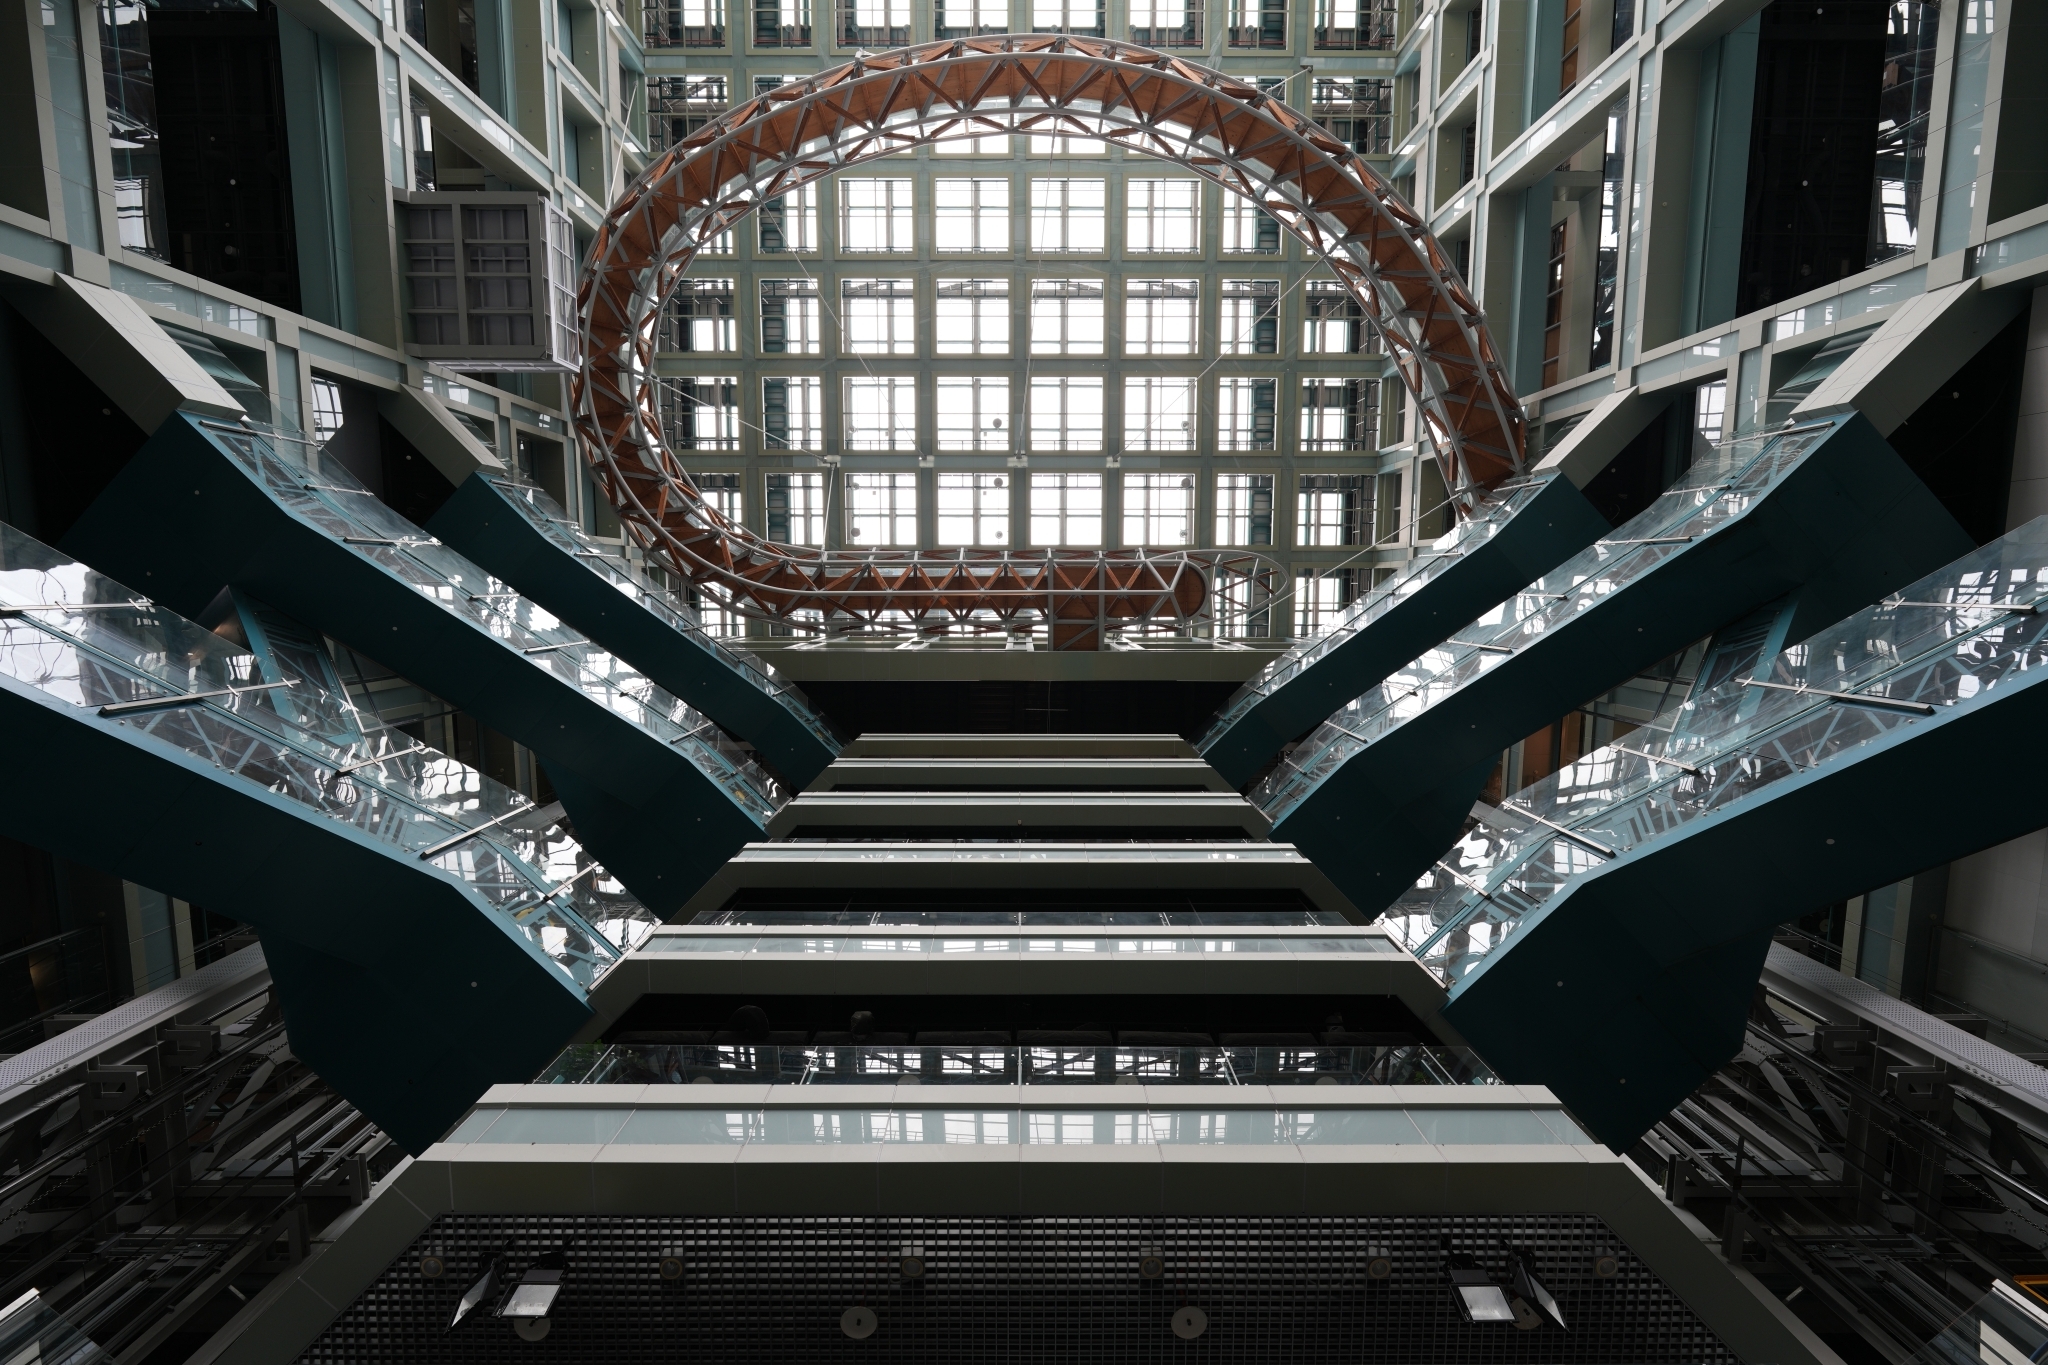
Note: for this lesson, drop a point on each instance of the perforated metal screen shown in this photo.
(1018, 1290)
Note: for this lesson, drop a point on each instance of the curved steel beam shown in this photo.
(1218, 127)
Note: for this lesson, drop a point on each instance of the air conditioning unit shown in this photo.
(490, 280)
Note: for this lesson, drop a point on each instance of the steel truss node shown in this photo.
(1213, 125)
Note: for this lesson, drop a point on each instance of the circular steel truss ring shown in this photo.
(1213, 125)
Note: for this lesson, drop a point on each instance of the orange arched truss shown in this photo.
(1220, 128)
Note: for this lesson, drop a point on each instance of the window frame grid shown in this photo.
(1153, 403)
(988, 526)
(1059, 391)
(988, 410)
(898, 426)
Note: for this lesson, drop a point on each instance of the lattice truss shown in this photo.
(1222, 129)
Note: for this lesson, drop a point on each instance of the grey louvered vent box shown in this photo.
(490, 280)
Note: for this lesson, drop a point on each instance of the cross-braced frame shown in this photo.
(1213, 125)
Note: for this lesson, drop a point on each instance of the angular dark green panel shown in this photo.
(402, 988)
(1841, 523)
(185, 519)
(1496, 555)
(507, 535)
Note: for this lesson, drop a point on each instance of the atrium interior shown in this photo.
(989, 681)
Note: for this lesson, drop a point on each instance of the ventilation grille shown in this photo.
(1016, 1290)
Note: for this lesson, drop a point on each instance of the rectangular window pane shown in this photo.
(881, 412)
(1333, 323)
(1166, 23)
(1159, 510)
(1066, 509)
(973, 412)
(987, 144)
(1246, 230)
(973, 317)
(793, 413)
(971, 215)
(1160, 316)
(795, 504)
(874, 23)
(1244, 509)
(1066, 317)
(874, 215)
(1162, 215)
(1068, 215)
(1339, 414)
(699, 413)
(789, 317)
(782, 23)
(1068, 16)
(1249, 321)
(881, 509)
(1159, 413)
(1066, 412)
(1258, 23)
(974, 508)
(1244, 413)
(878, 317)
(789, 222)
(1318, 599)
(966, 18)
(1357, 111)
(698, 317)
(1333, 509)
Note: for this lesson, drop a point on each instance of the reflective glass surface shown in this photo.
(1041, 1064)
(1494, 510)
(1958, 638)
(850, 945)
(83, 639)
(547, 516)
(1110, 1126)
(305, 481)
(1716, 491)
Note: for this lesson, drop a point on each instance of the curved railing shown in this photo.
(1210, 124)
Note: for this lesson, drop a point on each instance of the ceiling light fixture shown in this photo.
(528, 1303)
(1479, 1298)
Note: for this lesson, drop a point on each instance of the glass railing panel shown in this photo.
(548, 517)
(1037, 1064)
(1494, 510)
(306, 481)
(55, 637)
(1715, 491)
(1952, 638)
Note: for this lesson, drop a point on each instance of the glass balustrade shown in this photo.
(547, 517)
(1714, 492)
(640, 1063)
(1960, 637)
(307, 482)
(83, 639)
(1492, 512)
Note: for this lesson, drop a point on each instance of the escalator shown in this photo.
(1824, 510)
(521, 535)
(431, 932)
(1602, 931)
(651, 786)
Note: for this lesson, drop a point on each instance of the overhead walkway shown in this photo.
(1603, 931)
(1824, 509)
(429, 931)
(521, 535)
(652, 787)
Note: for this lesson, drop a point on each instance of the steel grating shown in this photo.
(772, 1289)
